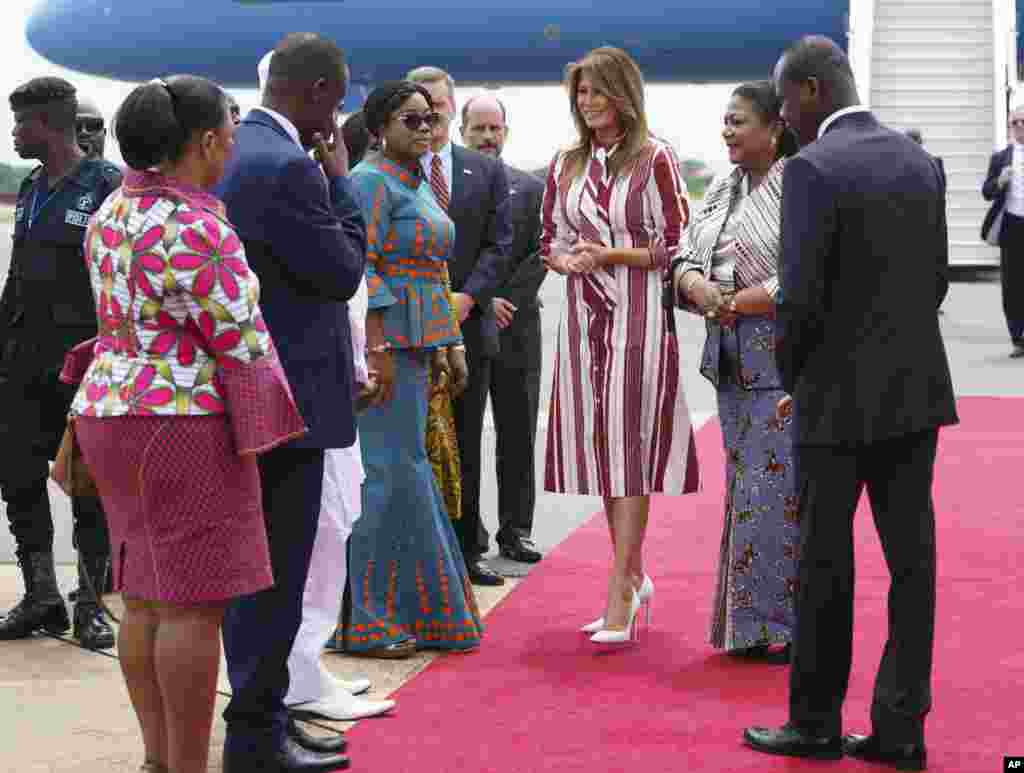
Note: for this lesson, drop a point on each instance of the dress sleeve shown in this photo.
(669, 205)
(221, 294)
(376, 202)
(557, 235)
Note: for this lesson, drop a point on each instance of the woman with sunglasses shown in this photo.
(409, 585)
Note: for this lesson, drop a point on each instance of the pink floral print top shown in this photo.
(176, 303)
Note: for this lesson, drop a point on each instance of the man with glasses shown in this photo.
(90, 128)
(1004, 187)
(473, 189)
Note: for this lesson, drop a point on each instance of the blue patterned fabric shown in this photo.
(406, 571)
(756, 588)
(409, 241)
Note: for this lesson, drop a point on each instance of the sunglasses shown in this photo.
(89, 125)
(413, 121)
(1017, 123)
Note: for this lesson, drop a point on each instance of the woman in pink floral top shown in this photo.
(179, 392)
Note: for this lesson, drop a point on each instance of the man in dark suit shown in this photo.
(862, 273)
(1004, 187)
(515, 372)
(477, 190)
(916, 136)
(305, 237)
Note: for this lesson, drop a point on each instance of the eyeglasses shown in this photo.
(91, 125)
(413, 121)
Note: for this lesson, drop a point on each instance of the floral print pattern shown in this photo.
(174, 297)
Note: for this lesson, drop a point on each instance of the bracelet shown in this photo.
(379, 349)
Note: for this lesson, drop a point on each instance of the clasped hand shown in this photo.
(583, 258)
(710, 299)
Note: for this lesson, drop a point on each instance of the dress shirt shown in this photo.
(1015, 194)
(287, 125)
(839, 114)
(446, 166)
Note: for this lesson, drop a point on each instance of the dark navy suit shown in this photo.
(862, 273)
(1010, 239)
(479, 263)
(306, 241)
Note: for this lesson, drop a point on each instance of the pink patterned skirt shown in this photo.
(184, 509)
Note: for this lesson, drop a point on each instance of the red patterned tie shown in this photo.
(438, 184)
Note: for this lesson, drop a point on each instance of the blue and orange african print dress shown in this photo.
(407, 575)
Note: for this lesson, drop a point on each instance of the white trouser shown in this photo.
(321, 605)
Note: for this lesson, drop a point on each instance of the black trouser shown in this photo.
(898, 476)
(1011, 265)
(260, 629)
(33, 415)
(469, 428)
(515, 398)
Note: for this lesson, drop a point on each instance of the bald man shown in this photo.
(90, 128)
(515, 376)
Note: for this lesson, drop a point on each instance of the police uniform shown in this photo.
(47, 307)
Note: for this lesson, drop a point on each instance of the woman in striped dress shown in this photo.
(613, 212)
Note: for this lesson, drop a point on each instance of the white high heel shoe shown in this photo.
(630, 633)
(646, 594)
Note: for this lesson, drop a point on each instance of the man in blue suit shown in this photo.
(863, 272)
(305, 238)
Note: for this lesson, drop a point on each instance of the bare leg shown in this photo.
(629, 516)
(136, 644)
(187, 659)
(609, 503)
(636, 565)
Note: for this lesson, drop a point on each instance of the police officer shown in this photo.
(47, 307)
(91, 128)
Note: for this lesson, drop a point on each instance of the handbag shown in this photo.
(70, 471)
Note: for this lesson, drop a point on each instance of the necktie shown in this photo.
(438, 184)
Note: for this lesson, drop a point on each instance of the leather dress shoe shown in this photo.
(292, 758)
(791, 741)
(521, 550)
(481, 575)
(906, 756)
(331, 744)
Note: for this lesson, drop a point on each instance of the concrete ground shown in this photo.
(66, 710)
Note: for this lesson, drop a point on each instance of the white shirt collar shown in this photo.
(287, 125)
(445, 153)
(839, 114)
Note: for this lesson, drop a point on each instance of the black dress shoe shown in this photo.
(790, 741)
(481, 575)
(523, 551)
(907, 756)
(335, 744)
(292, 757)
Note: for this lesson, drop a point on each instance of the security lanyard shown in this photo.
(37, 207)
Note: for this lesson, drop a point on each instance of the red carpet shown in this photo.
(538, 698)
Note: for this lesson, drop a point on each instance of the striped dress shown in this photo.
(618, 423)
